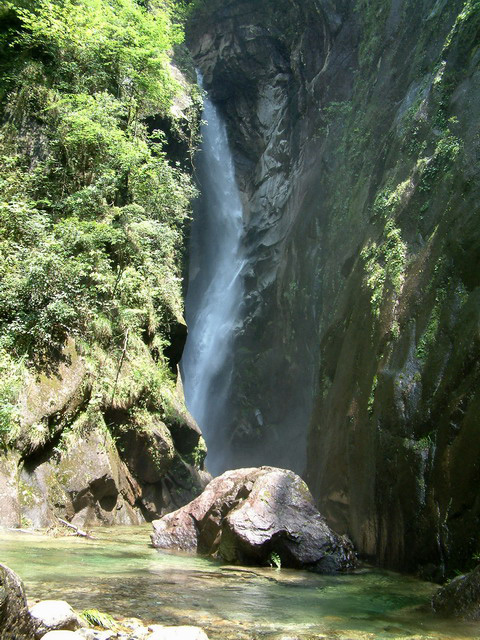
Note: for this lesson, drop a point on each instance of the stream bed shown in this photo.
(119, 573)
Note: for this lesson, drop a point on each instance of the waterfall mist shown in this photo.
(215, 288)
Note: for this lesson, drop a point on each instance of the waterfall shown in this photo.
(215, 287)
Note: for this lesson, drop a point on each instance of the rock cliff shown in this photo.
(97, 460)
(355, 133)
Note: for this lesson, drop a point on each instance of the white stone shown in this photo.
(95, 634)
(178, 633)
(50, 615)
(61, 634)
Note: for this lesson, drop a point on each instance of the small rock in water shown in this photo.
(53, 615)
(178, 633)
(135, 628)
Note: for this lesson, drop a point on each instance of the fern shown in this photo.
(274, 560)
(98, 619)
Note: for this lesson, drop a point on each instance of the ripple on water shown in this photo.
(119, 573)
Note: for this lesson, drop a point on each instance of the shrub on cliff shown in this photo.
(91, 209)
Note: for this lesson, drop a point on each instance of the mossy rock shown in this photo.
(15, 619)
(46, 399)
(146, 446)
(460, 598)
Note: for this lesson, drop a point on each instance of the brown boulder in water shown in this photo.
(250, 516)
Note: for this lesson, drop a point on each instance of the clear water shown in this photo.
(121, 574)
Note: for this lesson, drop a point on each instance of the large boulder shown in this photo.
(460, 598)
(246, 515)
(15, 620)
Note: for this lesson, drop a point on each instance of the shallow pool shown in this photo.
(118, 572)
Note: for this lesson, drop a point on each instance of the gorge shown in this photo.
(331, 316)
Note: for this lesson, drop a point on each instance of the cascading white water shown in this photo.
(215, 288)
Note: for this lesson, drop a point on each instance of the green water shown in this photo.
(119, 573)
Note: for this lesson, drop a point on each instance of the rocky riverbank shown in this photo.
(56, 620)
(98, 460)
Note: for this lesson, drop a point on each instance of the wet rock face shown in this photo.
(15, 619)
(259, 83)
(460, 598)
(88, 484)
(150, 455)
(99, 481)
(246, 515)
(355, 139)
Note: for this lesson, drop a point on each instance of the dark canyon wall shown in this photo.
(356, 139)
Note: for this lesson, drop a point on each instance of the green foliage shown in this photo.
(373, 14)
(388, 200)
(424, 444)
(274, 560)
(11, 378)
(371, 397)
(98, 618)
(97, 45)
(198, 455)
(446, 152)
(427, 340)
(466, 26)
(384, 265)
(91, 210)
(333, 112)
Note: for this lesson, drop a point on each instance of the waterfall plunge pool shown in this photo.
(119, 573)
